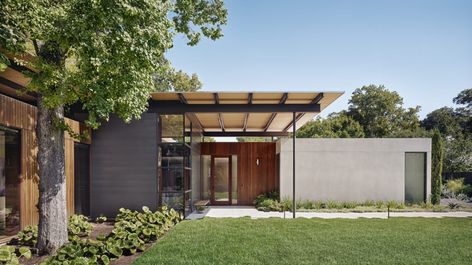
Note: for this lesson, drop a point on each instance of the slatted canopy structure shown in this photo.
(244, 113)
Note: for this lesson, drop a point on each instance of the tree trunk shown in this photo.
(52, 232)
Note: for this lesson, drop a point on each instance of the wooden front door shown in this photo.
(221, 180)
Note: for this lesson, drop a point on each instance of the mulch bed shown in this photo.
(98, 229)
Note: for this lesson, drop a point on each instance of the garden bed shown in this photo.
(102, 243)
(270, 202)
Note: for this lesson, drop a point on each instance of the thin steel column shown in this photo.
(294, 136)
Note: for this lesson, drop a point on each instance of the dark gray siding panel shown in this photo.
(124, 167)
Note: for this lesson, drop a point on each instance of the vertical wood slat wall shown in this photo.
(252, 179)
(22, 116)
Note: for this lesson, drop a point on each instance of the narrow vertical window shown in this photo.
(415, 177)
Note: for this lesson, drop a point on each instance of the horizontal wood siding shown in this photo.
(22, 116)
(252, 179)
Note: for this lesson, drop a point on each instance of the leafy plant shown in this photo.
(28, 236)
(273, 195)
(269, 201)
(101, 219)
(78, 227)
(83, 252)
(10, 255)
(131, 232)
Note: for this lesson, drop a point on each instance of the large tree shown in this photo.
(103, 54)
(380, 112)
(465, 100)
(336, 125)
(445, 119)
(177, 81)
(455, 126)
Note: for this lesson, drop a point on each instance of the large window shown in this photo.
(415, 177)
(174, 165)
(9, 181)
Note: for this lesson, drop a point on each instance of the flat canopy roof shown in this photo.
(244, 113)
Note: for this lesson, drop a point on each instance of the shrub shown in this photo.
(455, 185)
(369, 203)
(436, 166)
(467, 190)
(269, 201)
(286, 204)
(28, 236)
(269, 205)
(10, 255)
(446, 192)
(273, 195)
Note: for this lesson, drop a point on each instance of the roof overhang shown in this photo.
(244, 113)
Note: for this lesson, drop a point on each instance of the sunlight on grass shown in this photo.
(315, 241)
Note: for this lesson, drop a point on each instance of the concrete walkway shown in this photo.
(243, 211)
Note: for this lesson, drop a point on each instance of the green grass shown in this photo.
(315, 241)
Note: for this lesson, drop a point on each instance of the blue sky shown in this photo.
(422, 49)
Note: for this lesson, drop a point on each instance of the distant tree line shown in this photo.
(375, 111)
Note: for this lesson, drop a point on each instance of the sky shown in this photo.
(421, 49)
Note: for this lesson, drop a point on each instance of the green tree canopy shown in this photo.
(464, 98)
(445, 119)
(380, 112)
(177, 81)
(336, 125)
(455, 126)
(103, 54)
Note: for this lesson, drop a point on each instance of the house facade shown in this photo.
(165, 158)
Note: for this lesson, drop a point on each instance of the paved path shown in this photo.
(239, 211)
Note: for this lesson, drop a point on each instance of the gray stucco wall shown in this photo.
(124, 165)
(349, 169)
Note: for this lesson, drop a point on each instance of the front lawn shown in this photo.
(315, 241)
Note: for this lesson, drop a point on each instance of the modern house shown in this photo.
(165, 158)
